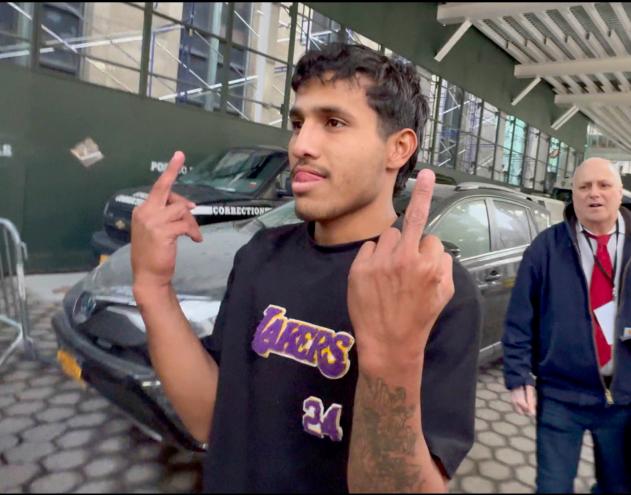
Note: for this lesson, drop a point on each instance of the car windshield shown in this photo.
(236, 171)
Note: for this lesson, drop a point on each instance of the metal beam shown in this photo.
(455, 13)
(293, 16)
(564, 118)
(36, 33)
(604, 124)
(576, 51)
(611, 37)
(619, 98)
(227, 57)
(573, 67)
(145, 49)
(453, 40)
(536, 53)
(592, 44)
(552, 47)
(525, 91)
(517, 53)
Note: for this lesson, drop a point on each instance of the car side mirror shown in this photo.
(283, 188)
(452, 249)
(283, 192)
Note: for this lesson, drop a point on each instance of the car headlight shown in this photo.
(83, 308)
(201, 314)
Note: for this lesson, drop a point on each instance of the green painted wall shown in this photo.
(55, 202)
(475, 63)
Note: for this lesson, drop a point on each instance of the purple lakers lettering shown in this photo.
(320, 423)
(303, 342)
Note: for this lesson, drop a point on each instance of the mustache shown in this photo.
(302, 163)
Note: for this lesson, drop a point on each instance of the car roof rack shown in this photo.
(465, 186)
(544, 201)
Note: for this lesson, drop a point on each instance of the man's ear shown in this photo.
(401, 145)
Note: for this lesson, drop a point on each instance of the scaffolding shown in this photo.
(13, 304)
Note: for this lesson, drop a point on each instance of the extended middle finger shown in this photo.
(417, 211)
(161, 189)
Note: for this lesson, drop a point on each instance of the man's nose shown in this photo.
(593, 190)
(305, 142)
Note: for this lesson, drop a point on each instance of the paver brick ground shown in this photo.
(49, 426)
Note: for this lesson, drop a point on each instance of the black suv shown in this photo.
(101, 335)
(238, 183)
(488, 228)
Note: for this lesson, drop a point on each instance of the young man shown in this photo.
(569, 325)
(322, 374)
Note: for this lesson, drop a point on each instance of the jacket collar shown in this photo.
(570, 220)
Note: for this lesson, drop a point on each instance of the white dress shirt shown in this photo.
(587, 249)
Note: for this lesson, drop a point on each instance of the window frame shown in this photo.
(458, 202)
(495, 230)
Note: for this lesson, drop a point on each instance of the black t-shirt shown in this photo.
(288, 369)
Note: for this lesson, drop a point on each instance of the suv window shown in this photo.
(512, 224)
(466, 225)
(542, 220)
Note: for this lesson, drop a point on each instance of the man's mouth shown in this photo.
(305, 178)
(595, 205)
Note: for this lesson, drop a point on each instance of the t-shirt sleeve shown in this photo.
(450, 375)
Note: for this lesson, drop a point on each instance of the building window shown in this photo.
(15, 32)
(65, 21)
(448, 125)
(202, 56)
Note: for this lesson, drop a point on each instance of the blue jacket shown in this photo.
(548, 330)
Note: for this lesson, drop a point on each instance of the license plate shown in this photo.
(103, 257)
(69, 365)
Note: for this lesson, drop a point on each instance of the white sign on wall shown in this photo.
(161, 167)
(6, 150)
(87, 152)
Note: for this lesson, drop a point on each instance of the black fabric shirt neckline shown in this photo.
(344, 247)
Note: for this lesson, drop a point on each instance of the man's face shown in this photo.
(336, 153)
(596, 194)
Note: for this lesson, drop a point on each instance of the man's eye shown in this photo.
(296, 124)
(335, 123)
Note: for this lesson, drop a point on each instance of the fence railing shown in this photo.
(13, 303)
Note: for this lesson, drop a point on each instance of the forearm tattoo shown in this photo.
(384, 439)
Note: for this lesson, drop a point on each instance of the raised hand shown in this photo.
(156, 224)
(397, 288)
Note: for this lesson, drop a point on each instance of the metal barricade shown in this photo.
(13, 304)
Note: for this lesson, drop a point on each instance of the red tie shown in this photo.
(600, 293)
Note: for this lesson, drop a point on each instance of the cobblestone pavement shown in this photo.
(56, 436)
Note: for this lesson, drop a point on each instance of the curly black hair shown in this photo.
(395, 93)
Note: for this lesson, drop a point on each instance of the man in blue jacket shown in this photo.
(567, 338)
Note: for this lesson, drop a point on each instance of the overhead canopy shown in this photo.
(583, 50)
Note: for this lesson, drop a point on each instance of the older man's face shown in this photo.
(596, 194)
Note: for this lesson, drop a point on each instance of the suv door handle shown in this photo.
(492, 276)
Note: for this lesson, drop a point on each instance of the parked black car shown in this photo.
(238, 183)
(101, 335)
